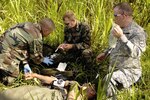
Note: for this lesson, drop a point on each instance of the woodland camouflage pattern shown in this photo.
(18, 44)
(80, 36)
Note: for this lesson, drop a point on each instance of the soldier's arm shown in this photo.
(135, 45)
(44, 79)
(49, 79)
(35, 51)
(35, 42)
(85, 37)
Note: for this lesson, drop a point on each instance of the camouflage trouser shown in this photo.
(8, 67)
(84, 56)
(30, 93)
(121, 79)
(87, 55)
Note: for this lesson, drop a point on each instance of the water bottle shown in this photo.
(112, 39)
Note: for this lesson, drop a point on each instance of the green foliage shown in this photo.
(98, 13)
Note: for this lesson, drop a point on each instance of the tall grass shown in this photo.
(97, 13)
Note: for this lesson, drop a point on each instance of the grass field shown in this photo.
(98, 14)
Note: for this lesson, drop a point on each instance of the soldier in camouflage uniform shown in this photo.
(74, 90)
(76, 39)
(127, 42)
(63, 90)
(22, 43)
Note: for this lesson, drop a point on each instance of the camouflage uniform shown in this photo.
(76, 92)
(84, 92)
(29, 92)
(125, 58)
(18, 44)
(80, 37)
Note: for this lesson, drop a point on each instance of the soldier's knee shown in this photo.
(87, 53)
(110, 89)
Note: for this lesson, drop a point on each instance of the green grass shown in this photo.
(98, 13)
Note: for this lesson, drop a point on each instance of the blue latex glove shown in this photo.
(48, 61)
(27, 69)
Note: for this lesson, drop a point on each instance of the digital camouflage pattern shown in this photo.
(125, 58)
(18, 44)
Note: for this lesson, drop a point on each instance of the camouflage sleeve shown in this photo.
(85, 38)
(136, 44)
(35, 42)
(35, 50)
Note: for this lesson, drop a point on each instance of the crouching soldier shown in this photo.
(22, 43)
(77, 38)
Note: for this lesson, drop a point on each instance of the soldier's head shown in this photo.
(47, 26)
(122, 14)
(69, 19)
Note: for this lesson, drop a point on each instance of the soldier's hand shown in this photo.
(117, 31)
(100, 57)
(68, 47)
(29, 76)
(48, 61)
(61, 47)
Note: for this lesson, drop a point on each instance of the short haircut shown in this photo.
(49, 22)
(70, 15)
(125, 8)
